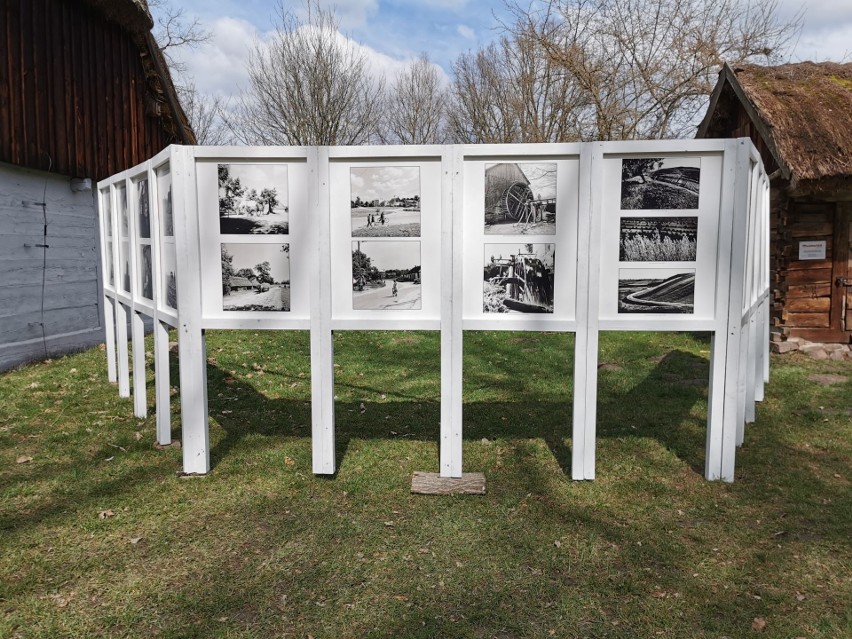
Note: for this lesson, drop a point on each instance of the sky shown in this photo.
(393, 32)
(384, 182)
(250, 255)
(390, 255)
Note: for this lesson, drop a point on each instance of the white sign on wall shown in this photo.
(812, 250)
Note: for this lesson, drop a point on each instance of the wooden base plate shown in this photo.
(434, 484)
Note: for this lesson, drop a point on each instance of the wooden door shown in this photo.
(842, 271)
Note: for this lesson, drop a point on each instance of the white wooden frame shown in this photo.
(732, 268)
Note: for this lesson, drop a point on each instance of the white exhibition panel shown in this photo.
(653, 235)
(373, 231)
(288, 245)
(549, 238)
(697, 224)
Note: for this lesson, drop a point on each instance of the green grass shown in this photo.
(262, 548)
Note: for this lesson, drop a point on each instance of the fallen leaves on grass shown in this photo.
(23, 459)
(135, 540)
(104, 514)
(758, 624)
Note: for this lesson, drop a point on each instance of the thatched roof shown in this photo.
(804, 113)
(135, 17)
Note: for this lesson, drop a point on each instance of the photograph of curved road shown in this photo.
(382, 298)
(650, 292)
(386, 275)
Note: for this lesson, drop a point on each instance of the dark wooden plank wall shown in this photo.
(72, 91)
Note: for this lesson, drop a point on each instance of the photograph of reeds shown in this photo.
(255, 277)
(385, 201)
(168, 255)
(253, 199)
(656, 291)
(518, 278)
(167, 218)
(660, 183)
(520, 198)
(658, 239)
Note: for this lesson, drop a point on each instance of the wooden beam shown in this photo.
(434, 484)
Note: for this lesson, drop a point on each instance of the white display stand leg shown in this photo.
(121, 320)
(715, 407)
(193, 405)
(162, 383)
(751, 370)
(109, 338)
(322, 338)
(140, 399)
(322, 401)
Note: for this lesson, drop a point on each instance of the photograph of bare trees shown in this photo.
(167, 218)
(386, 276)
(518, 278)
(144, 209)
(168, 256)
(656, 291)
(660, 183)
(255, 277)
(385, 201)
(520, 198)
(658, 239)
(253, 199)
(146, 273)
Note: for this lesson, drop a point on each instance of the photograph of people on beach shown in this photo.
(385, 201)
(386, 276)
(253, 199)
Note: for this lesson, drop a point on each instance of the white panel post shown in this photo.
(719, 347)
(109, 337)
(122, 317)
(584, 429)
(735, 310)
(192, 355)
(162, 383)
(140, 399)
(322, 339)
(452, 336)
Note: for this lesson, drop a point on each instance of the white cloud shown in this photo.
(834, 45)
(351, 13)
(466, 32)
(218, 67)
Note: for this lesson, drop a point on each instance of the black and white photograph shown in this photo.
(110, 271)
(253, 199)
(121, 198)
(518, 278)
(385, 201)
(656, 291)
(167, 218)
(146, 272)
(255, 277)
(168, 262)
(660, 183)
(124, 265)
(658, 239)
(386, 276)
(144, 209)
(107, 213)
(520, 198)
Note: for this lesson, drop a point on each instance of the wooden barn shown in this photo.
(800, 118)
(84, 93)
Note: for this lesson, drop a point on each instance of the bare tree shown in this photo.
(513, 91)
(206, 115)
(646, 67)
(309, 85)
(174, 31)
(415, 105)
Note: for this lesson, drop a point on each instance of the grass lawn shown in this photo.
(99, 538)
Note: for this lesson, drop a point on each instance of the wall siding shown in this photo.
(63, 279)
